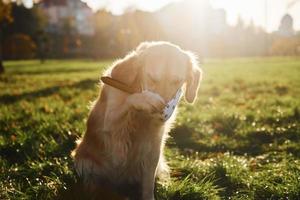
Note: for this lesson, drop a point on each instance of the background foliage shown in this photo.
(207, 33)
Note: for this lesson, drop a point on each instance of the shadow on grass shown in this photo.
(10, 99)
(184, 139)
(228, 139)
(76, 190)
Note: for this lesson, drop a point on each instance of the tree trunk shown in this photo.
(1, 58)
(1, 67)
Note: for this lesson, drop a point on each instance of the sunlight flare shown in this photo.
(117, 7)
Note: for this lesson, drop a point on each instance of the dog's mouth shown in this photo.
(171, 105)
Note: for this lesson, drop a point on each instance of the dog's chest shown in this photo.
(130, 148)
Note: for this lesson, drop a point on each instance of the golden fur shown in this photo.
(125, 134)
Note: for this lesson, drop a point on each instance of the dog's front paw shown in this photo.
(147, 101)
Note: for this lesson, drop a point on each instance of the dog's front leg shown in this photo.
(149, 169)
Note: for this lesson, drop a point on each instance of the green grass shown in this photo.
(241, 140)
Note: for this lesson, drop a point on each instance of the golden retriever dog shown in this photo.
(124, 140)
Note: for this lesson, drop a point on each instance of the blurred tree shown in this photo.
(285, 46)
(42, 41)
(5, 17)
(19, 46)
(69, 30)
(26, 21)
(29, 22)
(116, 35)
(106, 27)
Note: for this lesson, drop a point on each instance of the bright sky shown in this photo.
(256, 10)
(118, 7)
(248, 9)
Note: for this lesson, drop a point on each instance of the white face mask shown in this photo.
(171, 105)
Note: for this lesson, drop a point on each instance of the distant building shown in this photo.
(80, 16)
(286, 27)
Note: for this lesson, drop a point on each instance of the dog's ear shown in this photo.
(193, 78)
(126, 70)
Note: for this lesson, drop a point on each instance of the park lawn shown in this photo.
(240, 140)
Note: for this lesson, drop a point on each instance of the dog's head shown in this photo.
(160, 67)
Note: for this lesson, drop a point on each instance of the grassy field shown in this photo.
(241, 140)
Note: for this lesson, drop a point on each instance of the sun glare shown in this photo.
(263, 13)
(117, 7)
